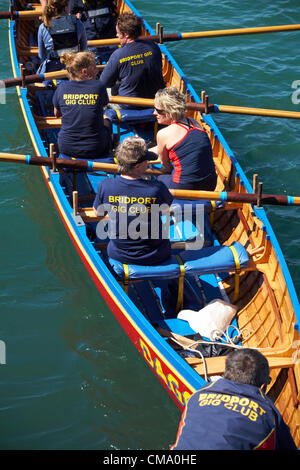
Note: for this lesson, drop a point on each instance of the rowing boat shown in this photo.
(252, 275)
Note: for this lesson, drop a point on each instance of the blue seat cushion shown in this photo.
(167, 270)
(212, 259)
(105, 159)
(130, 115)
(208, 207)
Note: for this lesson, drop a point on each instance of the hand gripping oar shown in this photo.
(88, 165)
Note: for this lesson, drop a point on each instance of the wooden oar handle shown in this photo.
(246, 198)
(11, 82)
(26, 14)
(88, 165)
(201, 34)
(84, 165)
(5, 15)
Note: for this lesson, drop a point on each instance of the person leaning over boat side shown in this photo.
(59, 32)
(129, 201)
(233, 413)
(84, 132)
(183, 147)
(137, 65)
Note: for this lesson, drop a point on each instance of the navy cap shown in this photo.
(146, 156)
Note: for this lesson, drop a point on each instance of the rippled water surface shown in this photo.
(72, 379)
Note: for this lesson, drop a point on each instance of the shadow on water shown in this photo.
(108, 375)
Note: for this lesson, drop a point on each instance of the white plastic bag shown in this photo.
(212, 320)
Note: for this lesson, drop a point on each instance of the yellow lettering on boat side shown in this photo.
(159, 371)
(173, 386)
(169, 380)
(146, 353)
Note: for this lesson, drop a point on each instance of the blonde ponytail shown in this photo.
(76, 61)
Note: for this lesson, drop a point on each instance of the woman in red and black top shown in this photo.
(183, 147)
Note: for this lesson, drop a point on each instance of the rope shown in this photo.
(188, 348)
(232, 341)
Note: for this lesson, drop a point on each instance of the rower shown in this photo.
(99, 19)
(183, 147)
(137, 65)
(233, 412)
(85, 133)
(135, 229)
(59, 32)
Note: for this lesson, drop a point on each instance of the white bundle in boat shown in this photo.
(212, 320)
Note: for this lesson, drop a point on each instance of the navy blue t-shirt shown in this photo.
(82, 133)
(228, 415)
(138, 66)
(136, 234)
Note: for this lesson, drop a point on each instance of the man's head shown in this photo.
(247, 366)
(129, 27)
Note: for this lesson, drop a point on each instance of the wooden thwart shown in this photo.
(216, 365)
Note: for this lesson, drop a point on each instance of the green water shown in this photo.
(72, 379)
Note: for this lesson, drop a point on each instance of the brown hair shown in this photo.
(247, 366)
(76, 61)
(53, 9)
(130, 24)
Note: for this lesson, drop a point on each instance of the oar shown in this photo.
(88, 165)
(27, 79)
(25, 15)
(202, 107)
(146, 102)
(84, 165)
(169, 37)
(29, 14)
(211, 108)
(203, 34)
(237, 197)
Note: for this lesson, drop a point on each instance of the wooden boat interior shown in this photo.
(265, 316)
